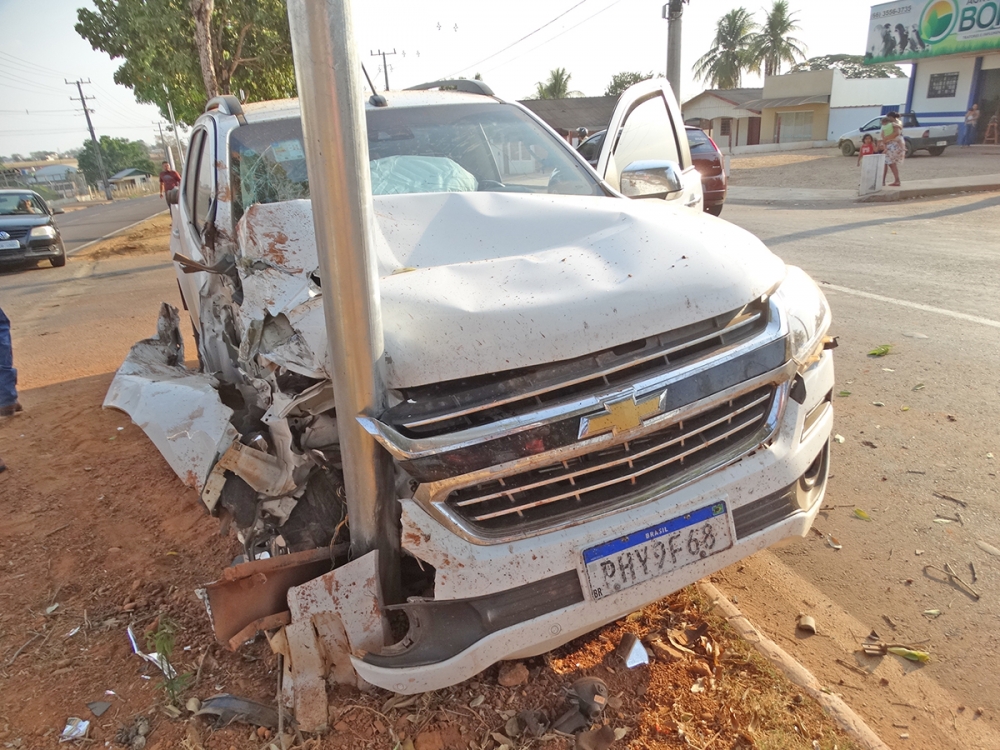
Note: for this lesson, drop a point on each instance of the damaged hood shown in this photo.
(502, 281)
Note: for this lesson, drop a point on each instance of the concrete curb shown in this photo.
(843, 714)
(115, 233)
(908, 193)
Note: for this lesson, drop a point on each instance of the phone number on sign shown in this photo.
(892, 12)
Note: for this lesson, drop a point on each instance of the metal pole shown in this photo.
(331, 95)
(173, 122)
(93, 137)
(673, 11)
(168, 153)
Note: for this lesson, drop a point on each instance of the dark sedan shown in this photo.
(709, 162)
(27, 231)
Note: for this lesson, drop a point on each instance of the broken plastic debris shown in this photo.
(589, 696)
(880, 351)
(98, 707)
(989, 456)
(844, 394)
(919, 387)
(877, 403)
(631, 651)
(73, 632)
(806, 624)
(154, 657)
(887, 369)
(76, 729)
(229, 708)
(862, 515)
(833, 542)
(838, 438)
(51, 608)
(932, 613)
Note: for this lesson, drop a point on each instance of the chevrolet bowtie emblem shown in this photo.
(623, 413)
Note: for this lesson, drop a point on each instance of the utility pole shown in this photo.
(331, 95)
(673, 11)
(93, 137)
(385, 66)
(173, 123)
(166, 149)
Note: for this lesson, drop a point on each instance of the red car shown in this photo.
(709, 162)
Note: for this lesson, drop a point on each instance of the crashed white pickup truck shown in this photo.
(595, 400)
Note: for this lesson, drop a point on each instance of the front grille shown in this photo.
(616, 475)
(18, 233)
(444, 408)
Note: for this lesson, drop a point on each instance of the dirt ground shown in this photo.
(100, 535)
(827, 168)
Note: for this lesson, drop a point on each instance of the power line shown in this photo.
(556, 36)
(549, 23)
(33, 111)
(20, 61)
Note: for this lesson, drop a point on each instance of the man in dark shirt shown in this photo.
(169, 179)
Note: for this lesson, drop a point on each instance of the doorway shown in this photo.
(988, 100)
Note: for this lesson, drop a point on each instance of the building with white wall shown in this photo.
(954, 46)
(721, 114)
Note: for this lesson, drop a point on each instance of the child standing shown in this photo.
(867, 147)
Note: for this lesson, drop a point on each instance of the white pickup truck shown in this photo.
(594, 400)
(933, 138)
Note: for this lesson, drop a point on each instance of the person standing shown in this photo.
(893, 145)
(9, 405)
(971, 126)
(169, 179)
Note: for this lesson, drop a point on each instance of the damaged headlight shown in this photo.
(808, 314)
(46, 232)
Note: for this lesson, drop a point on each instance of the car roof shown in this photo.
(284, 108)
(17, 191)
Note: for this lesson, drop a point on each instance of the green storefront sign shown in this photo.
(911, 29)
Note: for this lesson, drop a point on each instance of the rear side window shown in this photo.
(647, 133)
(698, 140)
(204, 189)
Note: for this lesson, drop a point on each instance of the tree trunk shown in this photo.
(202, 12)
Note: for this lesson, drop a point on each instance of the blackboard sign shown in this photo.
(942, 85)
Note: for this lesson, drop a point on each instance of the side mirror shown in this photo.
(651, 179)
(57, 211)
(173, 196)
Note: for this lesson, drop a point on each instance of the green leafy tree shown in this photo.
(723, 65)
(772, 46)
(852, 66)
(556, 87)
(621, 81)
(118, 154)
(249, 52)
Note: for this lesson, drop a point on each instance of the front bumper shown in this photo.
(751, 487)
(39, 249)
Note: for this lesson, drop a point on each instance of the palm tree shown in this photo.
(723, 65)
(772, 46)
(557, 87)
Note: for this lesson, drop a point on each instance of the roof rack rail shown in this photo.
(227, 104)
(468, 85)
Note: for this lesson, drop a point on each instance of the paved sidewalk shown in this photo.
(912, 189)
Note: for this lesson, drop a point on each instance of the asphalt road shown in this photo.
(84, 225)
(922, 276)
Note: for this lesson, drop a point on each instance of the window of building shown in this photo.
(726, 127)
(795, 126)
(942, 85)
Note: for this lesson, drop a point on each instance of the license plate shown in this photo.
(942, 143)
(643, 555)
(9, 244)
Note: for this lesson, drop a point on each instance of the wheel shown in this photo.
(60, 260)
(936, 150)
(714, 210)
(909, 147)
(847, 148)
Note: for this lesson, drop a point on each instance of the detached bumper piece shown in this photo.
(464, 622)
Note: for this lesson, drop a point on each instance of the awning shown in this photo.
(788, 101)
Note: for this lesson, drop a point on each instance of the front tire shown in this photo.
(60, 260)
(936, 150)
(909, 148)
(847, 148)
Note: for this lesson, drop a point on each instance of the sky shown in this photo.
(433, 39)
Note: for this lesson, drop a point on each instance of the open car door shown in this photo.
(645, 152)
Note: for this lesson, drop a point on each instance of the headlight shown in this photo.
(44, 231)
(807, 312)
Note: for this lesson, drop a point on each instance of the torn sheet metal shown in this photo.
(230, 708)
(333, 617)
(265, 473)
(178, 409)
(251, 592)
